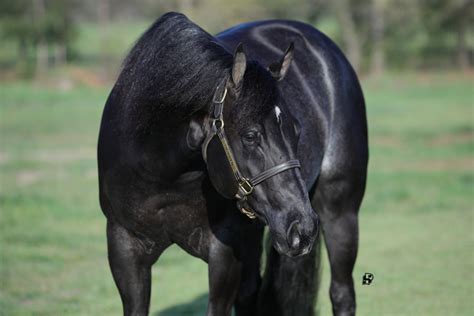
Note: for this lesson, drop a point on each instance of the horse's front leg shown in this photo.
(224, 278)
(250, 281)
(130, 259)
(341, 236)
(339, 203)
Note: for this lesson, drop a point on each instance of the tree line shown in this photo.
(374, 34)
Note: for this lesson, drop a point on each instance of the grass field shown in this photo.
(416, 222)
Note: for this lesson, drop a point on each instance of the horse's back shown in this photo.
(321, 91)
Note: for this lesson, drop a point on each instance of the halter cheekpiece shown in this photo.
(245, 185)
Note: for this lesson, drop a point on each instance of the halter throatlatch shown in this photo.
(245, 185)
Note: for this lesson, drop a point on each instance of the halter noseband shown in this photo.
(244, 184)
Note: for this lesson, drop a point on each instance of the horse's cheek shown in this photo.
(220, 172)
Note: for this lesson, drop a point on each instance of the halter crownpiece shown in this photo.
(245, 185)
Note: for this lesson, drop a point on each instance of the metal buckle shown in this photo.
(246, 186)
(248, 213)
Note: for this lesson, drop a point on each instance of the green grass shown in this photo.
(416, 222)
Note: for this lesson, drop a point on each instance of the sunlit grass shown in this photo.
(417, 225)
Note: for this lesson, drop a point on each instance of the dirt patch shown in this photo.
(453, 138)
(4, 158)
(64, 155)
(87, 77)
(387, 141)
(457, 164)
(439, 140)
(24, 178)
(91, 174)
(434, 165)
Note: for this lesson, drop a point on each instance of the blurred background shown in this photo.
(58, 62)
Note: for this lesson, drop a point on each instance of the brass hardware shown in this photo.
(246, 186)
(249, 214)
(217, 124)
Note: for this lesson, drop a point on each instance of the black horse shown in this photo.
(196, 142)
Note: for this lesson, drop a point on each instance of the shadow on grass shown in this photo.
(196, 307)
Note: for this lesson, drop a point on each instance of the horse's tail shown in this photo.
(290, 285)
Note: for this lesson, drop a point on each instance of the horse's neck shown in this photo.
(165, 156)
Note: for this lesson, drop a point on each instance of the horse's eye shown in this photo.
(250, 137)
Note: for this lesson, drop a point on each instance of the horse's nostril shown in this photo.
(295, 243)
(293, 235)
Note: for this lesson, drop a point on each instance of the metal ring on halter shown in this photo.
(214, 124)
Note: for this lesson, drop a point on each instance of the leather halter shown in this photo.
(245, 185)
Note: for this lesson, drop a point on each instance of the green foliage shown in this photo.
(423, 33)
(30, 24)
(14, 22)
(19, 21)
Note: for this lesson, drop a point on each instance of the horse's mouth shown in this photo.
(262, 217)
(292, 253)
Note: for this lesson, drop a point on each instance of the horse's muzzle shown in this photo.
(300, 237)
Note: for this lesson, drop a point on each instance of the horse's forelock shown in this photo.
(257, 97)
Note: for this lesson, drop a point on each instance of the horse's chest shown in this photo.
(163, 204)
(182, 216)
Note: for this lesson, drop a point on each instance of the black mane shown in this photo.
(172, 71)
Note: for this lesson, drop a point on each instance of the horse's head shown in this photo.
(250, 150)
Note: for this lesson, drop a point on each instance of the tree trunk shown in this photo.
(22, 51)
(377, 64)
(59, 51)
(462, 50)
(103, 21)
(349, 33)
(39, 12)
(41, 57)
(185, 6)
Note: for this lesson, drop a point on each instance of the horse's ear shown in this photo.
(240, 63)
(279, 69)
